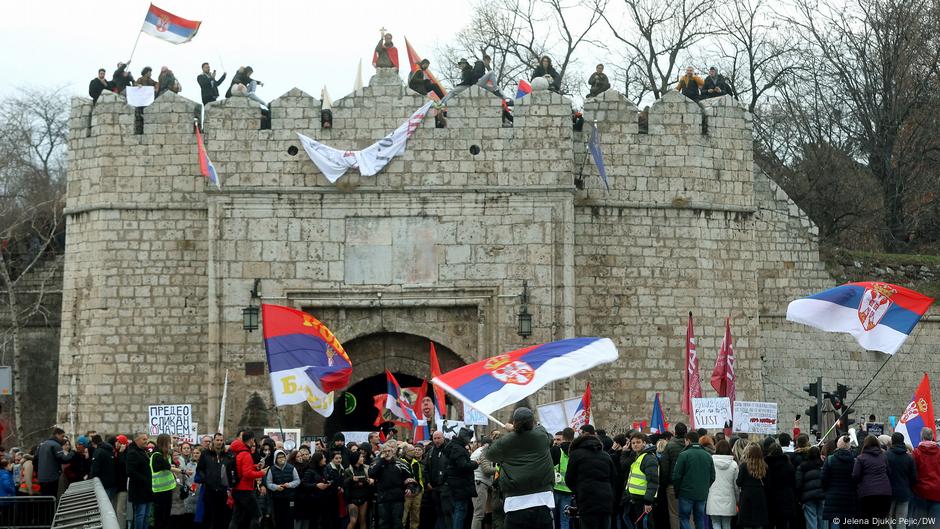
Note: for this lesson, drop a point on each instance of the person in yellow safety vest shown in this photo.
(561, 491)
(163, 482)
(642, 484)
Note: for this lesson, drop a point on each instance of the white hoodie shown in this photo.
(723, 494)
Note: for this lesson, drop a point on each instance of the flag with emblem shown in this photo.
(169, 27)
(658, 422)
(395, 401)
(879, 315)
(582, 415)
(918, 414)
(491, 384)
(306, 362)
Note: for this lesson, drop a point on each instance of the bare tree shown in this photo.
(882, 57)
(656, 34)
(32, 149)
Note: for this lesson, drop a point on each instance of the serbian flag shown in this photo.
(691, 383)
(723, 374)
(879, 315)
(395, 402)
(918, 415)
(169, 27)
(524, 89)
(582, 415)
(658, 422)
(438, 397)
(299, 345)
(414, 60)
(205, 164)
(491, 384)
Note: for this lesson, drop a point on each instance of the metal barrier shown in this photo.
(85, 505)
(27, 512)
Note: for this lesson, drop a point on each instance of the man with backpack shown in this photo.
(246, 474)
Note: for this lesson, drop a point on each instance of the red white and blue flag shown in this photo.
(395, 402)
(440, 404)
(297, 342)
(491, 384)
(169, 27)
(918, 415)
(524, 89)
(879, 315)
(658, 422)
(582, 415)
(205, 164)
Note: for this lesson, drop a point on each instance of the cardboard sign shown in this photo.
(711, 413)
(173, 419)
(755, 417)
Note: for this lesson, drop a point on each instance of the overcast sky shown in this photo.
(303, 43)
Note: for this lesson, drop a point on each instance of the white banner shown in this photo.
(711, 413)
(334, 163)
(474, 417)
(556, 416)
(173, 419)
(293, 386)
(755, 417)
(356, 437)
(139, 96)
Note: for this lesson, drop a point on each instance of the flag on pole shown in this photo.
(169, 27)
(491, 384)
(723, 374)
(440, 404)
(582, 415)
(918, 415)
(415, 60)
(594, 146)
(523, 89)
(691, 383)
(658, 422)
(879, 315)
(206, 169)
(222, 405)
(357, 84)
(395, 403)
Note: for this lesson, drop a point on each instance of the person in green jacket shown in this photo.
(526, 474)
(692, 477)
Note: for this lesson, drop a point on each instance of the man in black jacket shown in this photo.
(97, 85)
(435, 469)
(121, 78)
(715, 85)
(589, 475)
(139, 490)
(420, 80)
(459, 476)
(50, 457)
(211, 471)
(208, 84)
(103, 466)
(391, 476)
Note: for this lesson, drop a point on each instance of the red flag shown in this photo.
(438, 392)
(723, 374)
(691, 384)
(414, 59)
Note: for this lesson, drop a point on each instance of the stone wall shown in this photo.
(437, 246)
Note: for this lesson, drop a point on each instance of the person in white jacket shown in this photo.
(723, 494)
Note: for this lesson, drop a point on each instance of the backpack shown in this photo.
(231, 471)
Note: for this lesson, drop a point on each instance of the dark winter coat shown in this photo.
(138, 473)
(599, 84)
(779, 486)
(752, 503)
(809, 481)
(525, 462)
(96, 86)
(541, 71)
(435, 465)
(839, 486)
(693, 473)
(390, 479)
(458, 473)
(470, 75)
(308, 498)
(211, 470)
(49, 458)
(668, 461)
(121, 79)
(286, 475)
(871, 473)
(690, 87)
(902, 472)
(649, 467)
(718, 82)
(356, 485)
(103, 466)
(590, 474)
(209, 87)
(120, 470)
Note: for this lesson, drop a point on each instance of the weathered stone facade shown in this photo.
(159, 265)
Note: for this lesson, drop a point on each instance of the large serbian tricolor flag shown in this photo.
(505, 379)
(879, 315)
(918, 415)
(169, 27)
(306, 362)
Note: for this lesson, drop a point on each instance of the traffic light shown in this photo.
(812, 413)
(842, 391)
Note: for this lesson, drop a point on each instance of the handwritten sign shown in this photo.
(755, 417)
(173, 419)
(711, 413)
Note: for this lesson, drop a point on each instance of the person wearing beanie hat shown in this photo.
(588, 429)
(526, 474)
(339, 445)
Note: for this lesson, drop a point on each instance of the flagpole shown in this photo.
(134, 49)
(222, 405)
(845, 408)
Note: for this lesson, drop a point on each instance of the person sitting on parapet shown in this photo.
(715, 85)
(420, 82)
(146, 79)
(690, 85)
(121, 78)
(546, 70)
(487, 80)
(168, 81)
(598, 82)
(468, 77)
(98, 84)
(386, 54)
(248, 86)
(208, 84)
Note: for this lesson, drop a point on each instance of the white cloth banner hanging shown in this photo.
(334, 163)
(139, 96)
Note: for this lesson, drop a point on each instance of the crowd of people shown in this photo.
(515, 477)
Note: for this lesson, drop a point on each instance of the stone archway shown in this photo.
(407, 356)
